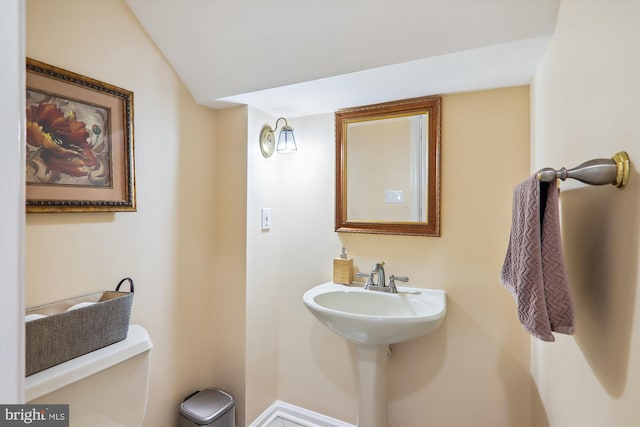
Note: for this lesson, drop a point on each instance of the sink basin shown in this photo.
(372, 318)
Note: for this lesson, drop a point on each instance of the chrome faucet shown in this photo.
(378, 270)
(381, 284)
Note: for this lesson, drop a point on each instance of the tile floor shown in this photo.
(281, 422)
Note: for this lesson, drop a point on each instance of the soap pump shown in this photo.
(343, 269)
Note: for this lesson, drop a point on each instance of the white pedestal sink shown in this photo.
(373, 320)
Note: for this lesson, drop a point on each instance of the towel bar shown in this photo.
(613, 171)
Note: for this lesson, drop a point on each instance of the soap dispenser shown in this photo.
(343, 269)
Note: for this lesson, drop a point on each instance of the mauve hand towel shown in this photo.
(533, 268)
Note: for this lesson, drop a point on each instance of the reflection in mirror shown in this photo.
(387, 168)
(395, 191)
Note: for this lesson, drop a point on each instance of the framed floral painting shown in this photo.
(80, 154)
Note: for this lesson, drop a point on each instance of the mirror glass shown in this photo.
(387, 168)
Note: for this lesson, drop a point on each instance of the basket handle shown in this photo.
(130, 280)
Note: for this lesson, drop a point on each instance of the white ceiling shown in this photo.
(303, 57)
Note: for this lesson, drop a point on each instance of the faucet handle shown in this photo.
(369, 277)
(393, 278)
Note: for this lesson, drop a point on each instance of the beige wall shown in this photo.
(474, 370)
(167, 245)
(230, 276)
(316, 368)
(263, 286)
(586, 104)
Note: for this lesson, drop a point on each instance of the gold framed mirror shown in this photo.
(388, 168)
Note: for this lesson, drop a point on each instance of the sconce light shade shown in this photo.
(286, 140)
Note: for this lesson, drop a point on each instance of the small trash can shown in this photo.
(209, 407)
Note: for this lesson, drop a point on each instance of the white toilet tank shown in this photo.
(105, 388)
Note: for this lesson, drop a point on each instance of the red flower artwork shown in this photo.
(62, 141)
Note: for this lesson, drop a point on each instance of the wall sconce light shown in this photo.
(286, 140)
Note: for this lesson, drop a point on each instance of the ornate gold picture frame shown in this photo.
(80, 155)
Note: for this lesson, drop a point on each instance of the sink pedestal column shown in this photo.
(372, 384)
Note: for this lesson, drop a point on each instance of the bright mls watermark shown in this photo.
(34, 415)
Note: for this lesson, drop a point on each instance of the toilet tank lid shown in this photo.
(206, 406)
(56, 377)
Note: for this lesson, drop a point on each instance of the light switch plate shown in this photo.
(266, 218)
(393, 196)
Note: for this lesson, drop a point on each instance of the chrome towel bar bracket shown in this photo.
(613, 171)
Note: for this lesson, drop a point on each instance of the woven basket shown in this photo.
(63, 335)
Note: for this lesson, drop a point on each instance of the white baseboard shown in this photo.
(296, 414)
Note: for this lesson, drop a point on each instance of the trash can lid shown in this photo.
(206, 406)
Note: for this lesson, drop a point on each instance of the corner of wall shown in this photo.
(229, 305)
(12, 216)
